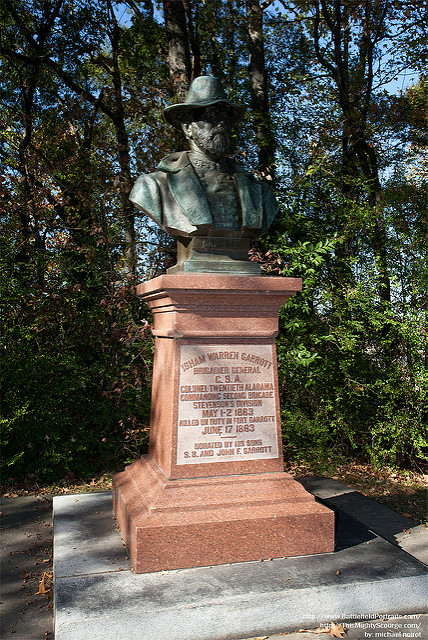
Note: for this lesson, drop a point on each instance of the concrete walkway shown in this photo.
(386, 523)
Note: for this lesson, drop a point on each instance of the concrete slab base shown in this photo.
(98, 596)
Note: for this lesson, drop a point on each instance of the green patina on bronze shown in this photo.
(203, 193)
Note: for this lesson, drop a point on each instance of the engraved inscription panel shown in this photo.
(226, 408)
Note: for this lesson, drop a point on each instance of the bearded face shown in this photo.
(209, 131)
(215, 143)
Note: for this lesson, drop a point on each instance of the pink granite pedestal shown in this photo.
(212, 489)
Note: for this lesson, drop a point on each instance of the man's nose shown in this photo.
(221, 123)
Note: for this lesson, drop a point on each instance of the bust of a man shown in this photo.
(203, 193)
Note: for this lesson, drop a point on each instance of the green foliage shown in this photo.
(75, 377)
(353, 378)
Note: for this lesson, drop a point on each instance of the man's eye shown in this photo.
(200, 115)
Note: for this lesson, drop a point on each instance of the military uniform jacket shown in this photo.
(174, 197)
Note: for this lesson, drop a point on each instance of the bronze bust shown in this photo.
(202, 196)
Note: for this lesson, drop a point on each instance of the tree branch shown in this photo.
(321, 59)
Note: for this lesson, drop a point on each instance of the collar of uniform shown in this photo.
(174, 162)
(180, 159)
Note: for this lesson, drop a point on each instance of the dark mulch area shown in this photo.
(26, 568)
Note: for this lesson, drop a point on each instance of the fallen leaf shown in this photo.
(334, 630)
(337, 630)
(44, 588)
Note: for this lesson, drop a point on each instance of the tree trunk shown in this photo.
(179, 61)
(123, 151)
(259, 90)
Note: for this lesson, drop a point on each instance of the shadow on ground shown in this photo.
(26, 541)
